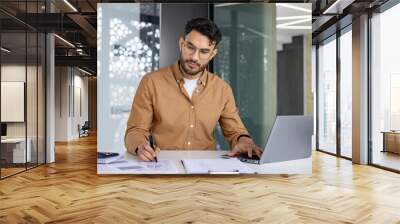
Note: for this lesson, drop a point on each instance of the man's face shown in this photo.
(196, 51)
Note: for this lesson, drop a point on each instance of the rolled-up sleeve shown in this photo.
(231, 124)
(141, 116)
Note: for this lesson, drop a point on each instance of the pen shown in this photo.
(152, 145)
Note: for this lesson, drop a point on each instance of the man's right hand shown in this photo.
(146, 153)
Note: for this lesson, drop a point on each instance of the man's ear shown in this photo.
(180, 42)
(214, 53)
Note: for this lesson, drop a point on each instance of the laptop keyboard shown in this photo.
(245, 158)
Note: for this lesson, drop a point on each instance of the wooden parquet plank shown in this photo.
(70, 191)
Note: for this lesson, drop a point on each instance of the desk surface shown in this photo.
(13, 140)
(300, 166)
(390, 132)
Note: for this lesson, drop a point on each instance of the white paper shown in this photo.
(136, 167)
(110, 160)
(204, 166)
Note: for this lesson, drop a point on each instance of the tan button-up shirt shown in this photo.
(162, 105)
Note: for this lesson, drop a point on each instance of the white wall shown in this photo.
(70, 83)
(81, 83)
(61, 103)
(16, 72)
(13, 73)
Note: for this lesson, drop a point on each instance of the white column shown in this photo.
(360, 90)
(50, 99)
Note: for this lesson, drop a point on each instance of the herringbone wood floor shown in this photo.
(70, 191)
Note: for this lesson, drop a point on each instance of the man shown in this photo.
(181, 104)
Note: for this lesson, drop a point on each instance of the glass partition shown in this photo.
(41, 97)
(247, 61)
(22, 90)
(13, 105)
(327, 95)
(346, 93)
(31, 99)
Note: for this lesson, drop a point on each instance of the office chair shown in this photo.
(84, 130)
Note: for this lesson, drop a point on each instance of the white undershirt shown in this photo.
(190, 85)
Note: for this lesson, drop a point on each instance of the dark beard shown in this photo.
(182, 66)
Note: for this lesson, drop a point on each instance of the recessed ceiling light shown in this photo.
(328, 10)
(295, 27)
(84, 71)
(64, 40)
(5, 50)
(280, 18)
(293, 6)
(70, 5)
(226, 4)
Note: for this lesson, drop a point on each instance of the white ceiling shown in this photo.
(289, 10)
(301, 11)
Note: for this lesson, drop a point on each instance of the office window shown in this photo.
(385, 89)
(346, 92)
(327, 95)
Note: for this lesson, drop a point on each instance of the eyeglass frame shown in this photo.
(193, 49)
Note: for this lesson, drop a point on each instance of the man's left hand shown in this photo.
(245, 145)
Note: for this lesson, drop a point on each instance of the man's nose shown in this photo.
(195, 56)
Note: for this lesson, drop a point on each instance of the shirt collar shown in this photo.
(179, 77)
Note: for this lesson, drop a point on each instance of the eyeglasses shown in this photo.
(191, 49)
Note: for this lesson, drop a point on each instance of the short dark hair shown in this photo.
(206, 27)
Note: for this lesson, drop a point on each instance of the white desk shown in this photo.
(301, 166)
(18, 153)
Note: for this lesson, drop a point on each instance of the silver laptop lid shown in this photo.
(290, 139)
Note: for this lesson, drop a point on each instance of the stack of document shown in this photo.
(216, 166)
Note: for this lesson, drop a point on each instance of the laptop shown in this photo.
(290, 139)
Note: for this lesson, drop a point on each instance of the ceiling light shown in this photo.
(64, 40)
(5, 50)
(226, 4)
(280, 18)
(292, 6)
(293, 22)
(84, 71)
(70, 5)
(331, 7)
(295, 27)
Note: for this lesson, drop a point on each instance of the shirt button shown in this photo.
(191, 125)
(188, 143)
(192, 107)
